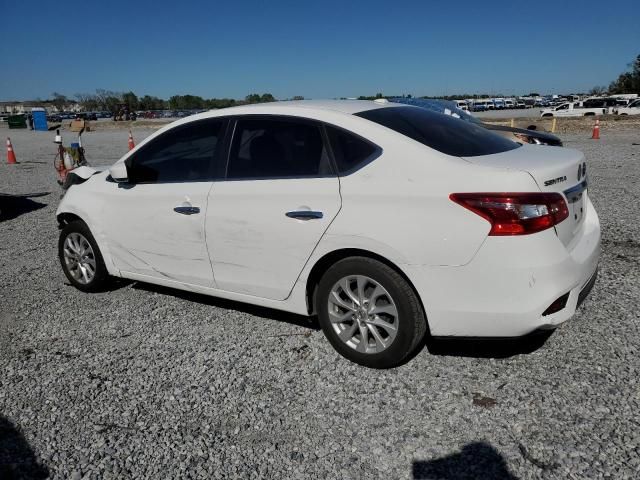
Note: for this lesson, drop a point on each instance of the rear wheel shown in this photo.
(370, 313)
(81, 259)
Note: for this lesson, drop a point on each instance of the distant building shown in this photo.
(26, 106)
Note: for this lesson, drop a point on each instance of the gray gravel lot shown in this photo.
(150, 383)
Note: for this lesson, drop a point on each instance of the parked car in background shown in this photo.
(632, 109)
(521, 104)
(519, 135)
(482, 105)
(509, 103)
(499, 103)
(607, 103)
(54, 117)
(305, 179)
(462, 104)
(87, 116)
(571, 110)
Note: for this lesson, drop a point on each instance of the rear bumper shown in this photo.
(510, 283)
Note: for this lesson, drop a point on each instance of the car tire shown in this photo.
(81, 259)
(388, 313)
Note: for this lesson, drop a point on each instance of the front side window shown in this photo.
(277, 148)
(444, 133)
(186, 153)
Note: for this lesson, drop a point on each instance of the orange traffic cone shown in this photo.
(132, 145)
(596, 131)
(11, 156)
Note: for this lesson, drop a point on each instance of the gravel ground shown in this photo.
(150, 383)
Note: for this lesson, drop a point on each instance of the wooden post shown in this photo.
(553, 125)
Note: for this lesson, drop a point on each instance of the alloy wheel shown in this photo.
(79, 258)
(363, 314)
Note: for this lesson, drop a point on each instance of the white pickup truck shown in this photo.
(571, 110)
(632, 109)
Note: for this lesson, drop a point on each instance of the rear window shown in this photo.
(444, 133)
(349, 151)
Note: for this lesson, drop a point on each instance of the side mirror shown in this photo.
(118, 172)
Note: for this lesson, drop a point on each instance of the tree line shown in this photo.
(108, 100)
(627, 82)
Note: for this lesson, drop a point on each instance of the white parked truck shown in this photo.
(632, 109)
(570, 109)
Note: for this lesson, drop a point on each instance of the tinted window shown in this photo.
(444, 133)
(350, 151)
(277, 148)
(183, 154)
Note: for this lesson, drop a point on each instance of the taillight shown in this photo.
(515, 213)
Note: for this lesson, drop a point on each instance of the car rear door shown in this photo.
(279, 197)
(155, 222)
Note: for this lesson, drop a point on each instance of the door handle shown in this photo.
(184, 210)
(304, 215)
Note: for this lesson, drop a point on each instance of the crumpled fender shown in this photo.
(80, 175)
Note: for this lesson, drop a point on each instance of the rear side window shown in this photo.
(444, 133)
(277, 148)
(183, 154)
(350, 152)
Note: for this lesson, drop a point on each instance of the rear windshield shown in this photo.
(444, 133)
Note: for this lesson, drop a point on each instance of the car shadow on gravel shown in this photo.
(488, 347)
(477, 460)
(17, 459)
(291, 318)
(12, 206)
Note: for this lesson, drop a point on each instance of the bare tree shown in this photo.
(59, 101)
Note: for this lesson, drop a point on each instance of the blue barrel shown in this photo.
(39, 119)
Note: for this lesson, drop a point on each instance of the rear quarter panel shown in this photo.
(401, 200)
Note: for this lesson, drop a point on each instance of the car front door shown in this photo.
(279, 197)
(155, 221)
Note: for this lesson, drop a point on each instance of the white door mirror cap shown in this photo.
(118, 172)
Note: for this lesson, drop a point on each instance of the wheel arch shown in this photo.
(330, 258)
(65, 218)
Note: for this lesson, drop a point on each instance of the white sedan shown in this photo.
(388, 221)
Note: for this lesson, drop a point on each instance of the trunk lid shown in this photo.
(561, 170)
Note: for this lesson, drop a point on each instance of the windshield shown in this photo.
(445, 133)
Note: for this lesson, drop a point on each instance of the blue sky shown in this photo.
(320, 49)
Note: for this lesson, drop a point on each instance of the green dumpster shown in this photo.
(17, 121)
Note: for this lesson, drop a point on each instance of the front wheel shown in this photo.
(81, 259)
(370, 313)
